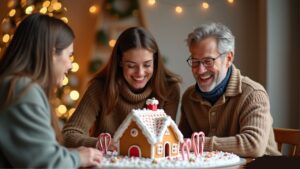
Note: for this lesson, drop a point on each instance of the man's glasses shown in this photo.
(206, 62)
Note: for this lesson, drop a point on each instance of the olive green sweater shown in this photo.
(76, 130)
(239, 122)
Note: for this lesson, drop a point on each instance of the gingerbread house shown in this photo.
(148, 133)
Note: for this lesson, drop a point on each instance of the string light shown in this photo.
(61, 110)
(12, 13)
(74, 95)
(151, 2)
(65, 81)
(57, 6)
(5, 38)
(230, 1)
(65, 19)
(112, 43)
(46, 4)
(205, 5)
(43, 10)
(178, 9)
(72, 58)
(94, 9)
(75, 67)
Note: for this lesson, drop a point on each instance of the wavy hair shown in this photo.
(112, 73)
(30, 54)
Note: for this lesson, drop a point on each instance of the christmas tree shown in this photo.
(67, 96)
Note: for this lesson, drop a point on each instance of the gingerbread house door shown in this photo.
(167, 149)
(134, 151)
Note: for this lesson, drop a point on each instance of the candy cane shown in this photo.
(104, 140)
(185, 148)
(196, 142)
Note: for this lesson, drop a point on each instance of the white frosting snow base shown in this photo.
(207, 160)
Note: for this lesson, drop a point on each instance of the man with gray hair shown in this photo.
(232, 110)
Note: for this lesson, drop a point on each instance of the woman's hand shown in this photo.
(89, 156)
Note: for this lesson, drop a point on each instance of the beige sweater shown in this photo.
(239, 122)
(76, 130)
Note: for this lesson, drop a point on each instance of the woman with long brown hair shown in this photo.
(134, 73)
(34, 63)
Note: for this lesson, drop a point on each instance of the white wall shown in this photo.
(283, 60)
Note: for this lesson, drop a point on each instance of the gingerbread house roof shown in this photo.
(152, 123)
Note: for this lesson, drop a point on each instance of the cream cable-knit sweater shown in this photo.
(76, 130)
(239, 122)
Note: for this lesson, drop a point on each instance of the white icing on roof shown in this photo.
(152, 123)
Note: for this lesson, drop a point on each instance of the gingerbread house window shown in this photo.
(134, 132)
(174, 148)
(159, 149)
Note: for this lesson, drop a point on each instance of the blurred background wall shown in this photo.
(266, 31)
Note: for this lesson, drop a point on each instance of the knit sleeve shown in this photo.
(27, 137)
(255, 125)
(171, 105)
(76, 130)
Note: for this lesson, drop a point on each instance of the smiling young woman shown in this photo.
(134, 73)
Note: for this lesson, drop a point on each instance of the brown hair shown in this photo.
(30, 54)
(111, 74)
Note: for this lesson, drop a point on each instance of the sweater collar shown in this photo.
(233, 88)
(130, 96)
(218, 91)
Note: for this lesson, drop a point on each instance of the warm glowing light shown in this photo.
(71, 111)
(205, 5)
(72, 58)
(65, 19)
(57, 6)
(94, 9)
(230, 1)
(46, 4)
(74, 95)
(29, 9)
(61, 110)
(178, 9)
(75, 67)
(12, 13)
(5, 38)
(112, 42)
(43, 10)
(151, 2)
(65, 81)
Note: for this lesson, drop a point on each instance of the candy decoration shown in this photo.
(104, 140)
(152, 104)
(196, 142)
(185, 148)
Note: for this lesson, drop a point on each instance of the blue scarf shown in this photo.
(218, 91)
